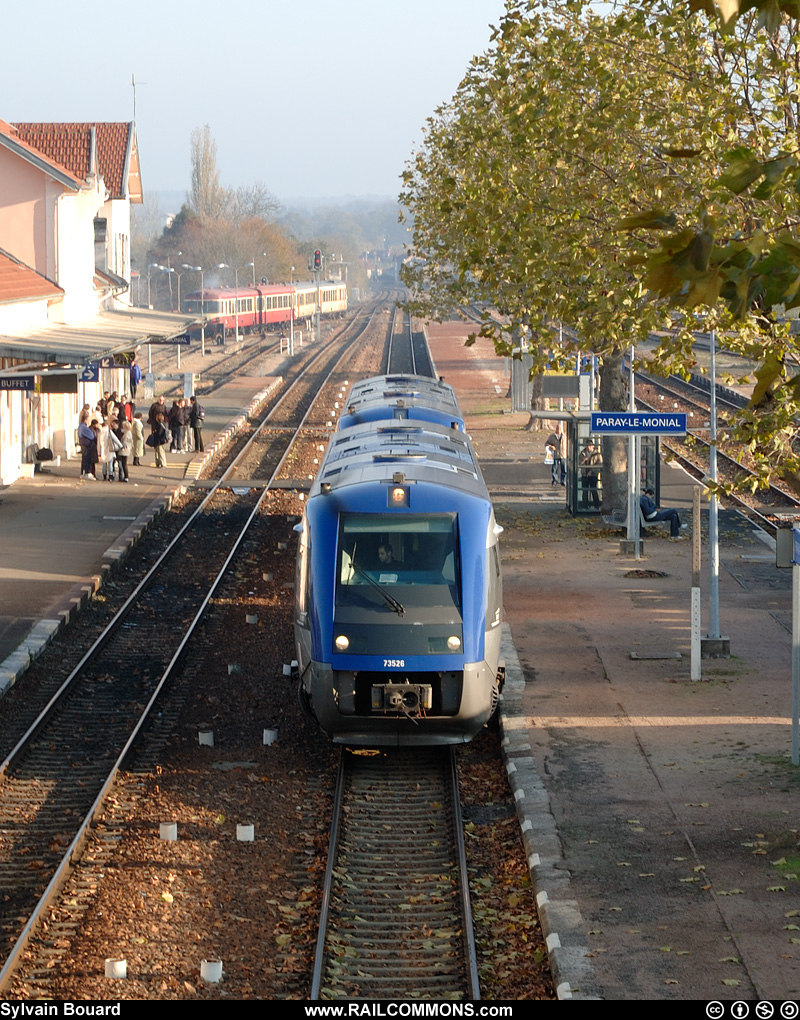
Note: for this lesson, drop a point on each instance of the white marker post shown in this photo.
(795, 644)
(696, 616)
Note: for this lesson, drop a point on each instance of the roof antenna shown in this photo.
(133, 86)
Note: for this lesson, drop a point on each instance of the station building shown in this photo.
(67, 326)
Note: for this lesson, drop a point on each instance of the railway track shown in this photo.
(396, 919)
(407, 353)
(54, 782)
(252, 905)
(764, 505)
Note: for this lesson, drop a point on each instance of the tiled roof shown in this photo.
(19, 282)
(9, 136)
(71, 146)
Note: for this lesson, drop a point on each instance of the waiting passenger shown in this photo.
(651, 513)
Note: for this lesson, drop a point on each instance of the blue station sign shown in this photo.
(17, 382)
(638, 422)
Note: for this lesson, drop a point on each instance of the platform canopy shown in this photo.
(107, 333)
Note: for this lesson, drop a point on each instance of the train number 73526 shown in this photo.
(393, 663)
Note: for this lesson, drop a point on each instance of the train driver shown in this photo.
(385, 557)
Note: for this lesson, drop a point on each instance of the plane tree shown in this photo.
(590, 169)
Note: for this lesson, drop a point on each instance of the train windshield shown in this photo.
(399, 551)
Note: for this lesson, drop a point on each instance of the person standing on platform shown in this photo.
(175, 419)
(126, 408)
(590, 464)
(138, 438)
(160, 439)
(125, 435)
(187, 445)
(107, 448)
(135, 377)
(555, 442)
(196, 415)
(157, 407)
(87, 441)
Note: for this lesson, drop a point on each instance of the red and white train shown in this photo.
(258, 309)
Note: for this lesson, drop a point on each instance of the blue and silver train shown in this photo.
(398, 591)
(402, 397)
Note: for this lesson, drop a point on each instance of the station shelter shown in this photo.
(576, 395)
(584, 462)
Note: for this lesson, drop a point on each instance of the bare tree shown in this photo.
(207, 197)
(253, 202)
(147, 223)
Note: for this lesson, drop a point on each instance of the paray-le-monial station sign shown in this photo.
(638, 422)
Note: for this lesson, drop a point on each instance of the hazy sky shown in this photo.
(314, 99)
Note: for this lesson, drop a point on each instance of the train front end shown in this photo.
(399, 605)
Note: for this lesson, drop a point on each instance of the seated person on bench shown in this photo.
(651, 513)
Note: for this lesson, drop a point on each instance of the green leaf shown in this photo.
(652, 219)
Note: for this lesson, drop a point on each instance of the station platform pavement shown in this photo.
(660, 816)
(60, 535)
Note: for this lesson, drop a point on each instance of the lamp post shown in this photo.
(169, 269)
(199, 269)
(252, 265)
(153, 265)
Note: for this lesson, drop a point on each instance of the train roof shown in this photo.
(402, 396)
(228, 293)
(419, 451)
(322, 283)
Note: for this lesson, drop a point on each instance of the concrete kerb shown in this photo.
(223, 436)
(562, 923)
(43, 632)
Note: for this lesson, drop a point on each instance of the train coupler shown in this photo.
(403, 699)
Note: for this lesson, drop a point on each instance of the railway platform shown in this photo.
(60, 535)
(660, 816)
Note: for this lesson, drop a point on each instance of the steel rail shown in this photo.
(369, 950)
(81, 835)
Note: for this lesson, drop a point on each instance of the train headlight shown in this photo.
(342, 643)
(454, 643)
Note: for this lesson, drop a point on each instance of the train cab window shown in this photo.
(399, 551)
